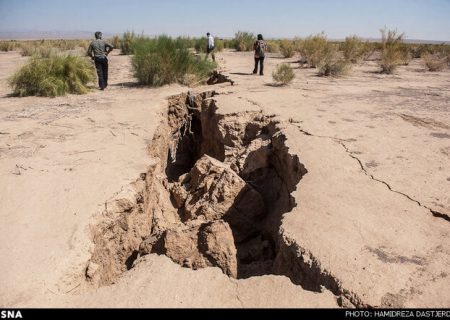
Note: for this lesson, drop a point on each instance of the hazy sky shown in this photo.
(419, 19)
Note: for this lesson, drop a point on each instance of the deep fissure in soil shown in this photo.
(214, 197)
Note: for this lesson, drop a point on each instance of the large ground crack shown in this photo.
(214, 196)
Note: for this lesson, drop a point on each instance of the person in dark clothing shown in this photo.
(260, 48)
(98, 51)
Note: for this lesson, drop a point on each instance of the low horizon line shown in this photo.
(112, 34)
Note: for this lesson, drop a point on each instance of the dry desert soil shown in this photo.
(328, 192)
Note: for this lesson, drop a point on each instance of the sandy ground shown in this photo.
(373, 209)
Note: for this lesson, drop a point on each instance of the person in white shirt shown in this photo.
(210, 47)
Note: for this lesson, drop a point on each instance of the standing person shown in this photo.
(210, 47)
(98, 51)
(260, 48)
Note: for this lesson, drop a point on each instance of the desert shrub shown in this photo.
(287, 48)
(186, 42)
(201, 44)
(405, 54)
(419, 51)
(333, 67)
(283, 74)
(314, 49)
(84, 44)
(115, 41)
(127, 43)
(244, 41)
(369, 48)
(53, 76)
(273, 46)
(435, 62)
(422, 50)
(6, 46)
(332, 63)
(68, 44)
(45, 52)
(27, 50)
(219, 44)
(161, 61)
(392, 54)
(353, 49)
(230, 43)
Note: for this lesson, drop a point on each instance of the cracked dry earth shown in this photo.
(255, 196)
(222, 195)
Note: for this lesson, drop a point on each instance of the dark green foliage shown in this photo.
(53, 76)
(162, 61)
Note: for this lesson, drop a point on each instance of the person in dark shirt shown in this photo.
(98, 50)
(260, 48)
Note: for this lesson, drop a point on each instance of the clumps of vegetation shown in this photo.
(393, 53)
(435, 62)
(53, 76)
(273, 46)
(314, 49)
(354, 49)
(6, 46)
(219, 44)
(287, 48)
(201, 44)
(115, 41)
(333, 66)
(162, 61)
(127, 43)
(319, 53)
(283, 74)
(421, 50)
(27, 50)
(244, 41)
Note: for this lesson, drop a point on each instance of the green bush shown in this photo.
(435, 62)
(45, 52)
(244, 41)
(273, 46)
(283, 74)
(230, 43)
(53, 76)
(393, 53)
(287, 48)
(201, 44)
(6, 46)
(27, 50)
(405, 54)
(127, 43)
(84, 44)
(333, 67)
(353, 49)
(187, 42)
(161, 61)
(219, 44)
(115, 41)
(422, 50)
(314, 49)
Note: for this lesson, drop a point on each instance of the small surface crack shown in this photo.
(237, 293)
(352, 155)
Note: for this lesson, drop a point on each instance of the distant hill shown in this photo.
(36, 35)
(55, 34)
